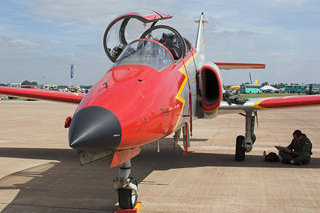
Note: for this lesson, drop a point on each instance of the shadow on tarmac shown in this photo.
(67, 187)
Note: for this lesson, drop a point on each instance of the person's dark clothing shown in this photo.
(302, 146)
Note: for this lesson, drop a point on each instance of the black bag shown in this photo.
(272, 157)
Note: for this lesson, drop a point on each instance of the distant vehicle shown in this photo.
(50, 87)
(74, 89)
(295, 88)
(236, 87)
(250, 88)
(313, 89)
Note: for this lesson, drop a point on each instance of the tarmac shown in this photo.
(40, 173)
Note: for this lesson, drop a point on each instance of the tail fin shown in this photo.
(200, 37)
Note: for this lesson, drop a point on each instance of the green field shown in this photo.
(5, 98)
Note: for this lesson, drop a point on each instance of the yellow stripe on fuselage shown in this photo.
(182, 70)
(256, 105)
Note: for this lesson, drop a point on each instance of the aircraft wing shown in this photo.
(42, 94)
(230, 65)
(255, 104)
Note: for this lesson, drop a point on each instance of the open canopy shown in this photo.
(127, 28)
(146, 52)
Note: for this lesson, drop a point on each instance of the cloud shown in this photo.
(227, 33)
(70, 56)
(19, 46)
(288, 3)
(47, 36)
(94, 12)
(280, 54)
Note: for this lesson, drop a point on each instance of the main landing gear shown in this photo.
(245, 143)
(186, 138)
(176, 138)
(126, 187)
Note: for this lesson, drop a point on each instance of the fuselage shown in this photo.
(147, 103)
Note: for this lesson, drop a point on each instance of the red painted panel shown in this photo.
(292, 101)
(143, 99)
(147, 18)
(123, 156)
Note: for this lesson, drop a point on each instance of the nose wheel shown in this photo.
(126, 187)
(128, 197)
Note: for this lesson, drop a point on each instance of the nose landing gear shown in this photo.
(126, 187)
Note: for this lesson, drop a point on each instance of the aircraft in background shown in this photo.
(159, 83)
(237, 87)
(234, 87)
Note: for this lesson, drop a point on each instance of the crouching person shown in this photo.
(299, 150)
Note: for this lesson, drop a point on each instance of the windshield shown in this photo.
(146, 52)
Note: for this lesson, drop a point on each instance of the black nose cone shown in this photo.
(94, 129)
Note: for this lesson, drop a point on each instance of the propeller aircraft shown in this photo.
(158, 84)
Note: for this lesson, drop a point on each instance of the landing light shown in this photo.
(67, 123)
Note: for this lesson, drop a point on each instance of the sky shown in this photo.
(40, 39)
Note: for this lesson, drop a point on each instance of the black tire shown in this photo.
(125, 197)
(240, 150)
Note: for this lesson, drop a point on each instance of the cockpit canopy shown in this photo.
(146, 52)
(130, 27)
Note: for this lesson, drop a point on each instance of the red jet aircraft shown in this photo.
(158, 84)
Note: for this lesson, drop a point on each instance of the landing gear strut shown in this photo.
(126, 187)
(245, 143)
(176, 137)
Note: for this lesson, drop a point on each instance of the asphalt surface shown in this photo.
(40, 173)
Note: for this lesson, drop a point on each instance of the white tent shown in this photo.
(268, 88)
